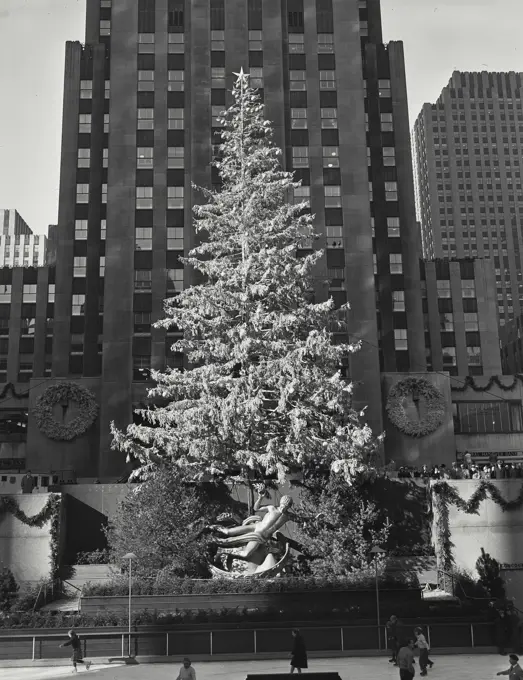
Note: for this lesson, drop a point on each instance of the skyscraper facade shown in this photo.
(142, 100)
(19, 247)
(468, 148)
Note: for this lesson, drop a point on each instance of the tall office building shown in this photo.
(140, 126)
(468, 148)
(19, 247)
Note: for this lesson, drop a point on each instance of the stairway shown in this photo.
(82, 574)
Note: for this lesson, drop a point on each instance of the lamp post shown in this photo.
(130, 556)
(376, 550)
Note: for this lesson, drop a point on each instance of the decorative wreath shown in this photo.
(65, 392)
(435, 406)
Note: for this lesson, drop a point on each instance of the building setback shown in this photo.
(459, 310)
(141, 102)
(468, 147)
(18, 245)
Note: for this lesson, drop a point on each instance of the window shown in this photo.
(29, 292)
(104, 193)
(84, 123)
(331, 157)
(299, 118)
(27, 326)
(474, 356)
(391, 191)
(255, 41)
(443, 287)
(103, 229)
(300, 156)
(144, 157)
(105, 158)
(296, 43)
(327, 80)
(468, 288)
(471, 321)
(143, 280)
(175, 157)
(332, 196)
(174, 281)
(395, 263)
(329, 118)
(334, 237)
(446, 321)
(398, 300)
(325, 43)
(84, 158)
(145, 119)
(174, 238)
(107, 89)
(51, 288)
(393, 227)
(105, 27)
(105, 3)
(488, 417)
(176, 43)
(217, 41)
(5, 293)
(297, 80)
(142, 322)
(25, 367)
(302, 194)
(106, 122)
(145, 81)
(400, 339)
(86, 89)
(384, 88)
(141, 367)
(80, 266)
(364, 28)
(176, 119)
(218, 77)
(256, 80)
(146, 43)
(216, 116)
(176, 81)
(174, 197)
(101, 269)
(144, 198)
(143, 238)
(449, 356)
(82, 193)
(77, 305)
(389, 156)
(387, 124)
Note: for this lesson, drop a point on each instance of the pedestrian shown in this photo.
(501, 631)
(187, 672)
(28, 482)
(515, 672)
(299, 652)
(76, 645)
(392, 638)
(423, 646)
(406, 660)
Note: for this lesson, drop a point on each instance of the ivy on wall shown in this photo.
(51, 512)
(444, 495)
(494, 380)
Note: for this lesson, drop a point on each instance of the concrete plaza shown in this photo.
(455, 667)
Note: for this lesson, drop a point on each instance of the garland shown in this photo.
(11, 388)
(65, 392)
(445, 495)
(434, 401)
(50, 512)
(494, 380)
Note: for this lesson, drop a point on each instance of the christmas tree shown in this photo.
(264, 394)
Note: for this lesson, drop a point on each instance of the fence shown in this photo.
(37, 645)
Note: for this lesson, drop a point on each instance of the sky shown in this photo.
(440, 36)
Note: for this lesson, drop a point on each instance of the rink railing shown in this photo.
(260, 641)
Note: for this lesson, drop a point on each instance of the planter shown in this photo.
(362, 602)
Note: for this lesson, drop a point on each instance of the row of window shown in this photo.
(395, 263)
(28, 292)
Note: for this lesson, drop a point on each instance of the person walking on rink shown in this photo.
(423, 646)
(299, 653)
(515, 672)
(187, 672)
(392, 638)
(406, 661)
(76, 645)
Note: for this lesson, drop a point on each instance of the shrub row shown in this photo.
(180, 586)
